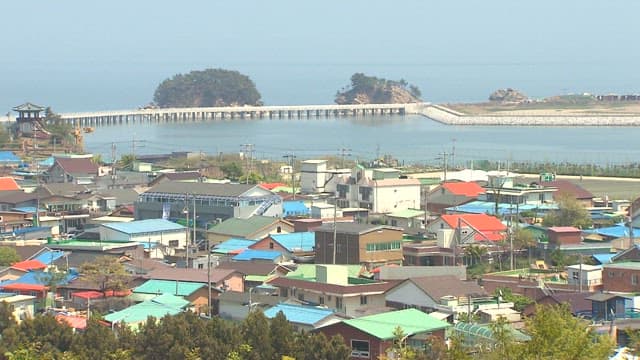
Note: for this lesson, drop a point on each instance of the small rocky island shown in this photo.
(372, 90)
(207, 88)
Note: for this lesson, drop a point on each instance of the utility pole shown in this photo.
(335, 228)
(247, 153)
(343, 153)
(187, 232)
(445, 157)
(291, 158)
(453, 153)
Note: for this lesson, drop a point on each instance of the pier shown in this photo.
(160, 115)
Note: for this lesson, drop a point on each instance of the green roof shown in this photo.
(243, 227)
(412, 321)
(407, 214)
(429, 181)
(169, 287)
(632, 265)
(157, 307)
(483, 332)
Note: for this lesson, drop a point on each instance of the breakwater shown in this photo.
(451, 117)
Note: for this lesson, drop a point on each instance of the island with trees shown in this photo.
(207, 88)
(372, 90)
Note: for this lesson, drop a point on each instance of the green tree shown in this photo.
(8, 255)
(210, 87)
(107, 272)
(505, 346)
(519, 301)
(94, 342)
(231, 170)
(524, 240)
(399, 350)
(557, 334)
(570, 212)
(5, 135)
(7, 319)
(50, 335)
(126, 161)
(284, 339)
(255, 330)
(457, 349)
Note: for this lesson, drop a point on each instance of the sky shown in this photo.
(84, 55)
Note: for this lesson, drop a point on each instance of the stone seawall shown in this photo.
(451, 117)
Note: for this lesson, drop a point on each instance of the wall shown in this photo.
(380, 236)
(409, 294)
(393, 198)
(620, 280)
(564, 238)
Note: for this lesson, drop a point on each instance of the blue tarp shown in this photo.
(9, 157)
(294, 208)
(616, 231)
(251, 254)
(603, 258)
(47, 256)
(489, 207)
(299, 241)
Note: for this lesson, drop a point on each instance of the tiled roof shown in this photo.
(169, 287)
(251, 254)
(190, 275)
(76, 322)
(271, 186)
(446, 285)
(567, 187)
(383, 326)
(145, 226)
(298, 241)
(482, 222)
(244, 227)
(300, 314)
(8, 183)
(16, 196)
(470, 189)
(183, 175)
(378, 287)
(29, 107)
(354, 228)
(248, 267)
(77, 165)
(564, 229)
(157, 307)
(232, 245)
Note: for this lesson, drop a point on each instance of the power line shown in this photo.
(291, 160)
(248, 149)
(343, 153)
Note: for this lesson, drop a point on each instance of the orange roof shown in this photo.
(271, 186)
(481, 222)
(29, 265)
(8, 183)
(564, 229)
(23, 287)
(97, 294)
(76, 322)
(463, 188)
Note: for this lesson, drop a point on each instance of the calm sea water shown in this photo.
(412, 139)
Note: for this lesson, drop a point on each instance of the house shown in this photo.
(585, 274)
(334, 287)
(157, 307)
(450, 194)
(468, 228)
(305, 225)
(166, 235)
(255, 227)
(295, 208)
(502, 188)
(358, 244)
(231, 247)
(304, 318)
(213, 202)
(577, 302)
(493, 314)
(297, 246)
(194, 292)
(9, 158)
(426, 254)
(34, 283)
(8, 183)
(621, 277)
(23, 305)
(255, 273)
(370, 337)
(412, 221)
(271, 256)
(607, 306)
(575, 191)
(379, 190)
(223, 279)
(433, 293)
(72, 170)
(186, 176)
(564, 235)
(11, 199)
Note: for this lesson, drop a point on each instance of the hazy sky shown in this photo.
(86, 55)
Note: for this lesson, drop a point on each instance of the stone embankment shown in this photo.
(450, 117)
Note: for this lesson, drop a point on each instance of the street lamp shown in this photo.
(250, 302)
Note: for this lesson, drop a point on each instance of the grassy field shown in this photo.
(615, 188)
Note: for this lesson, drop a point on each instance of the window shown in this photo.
(394, 222)
(339, 303)
(612, 274)
(385, 246)
(284, 292)
(634, 279)
(360, 348)
(363, 300)
(279, 229)
(173, 243)
(301, 296)
(321, 300)
(200, 266)
(271, 245)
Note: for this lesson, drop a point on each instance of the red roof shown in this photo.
(567, 187)
(77, 165)
(8, 183)
(97, 294)
(76, 322)
(23, 287)
(271, 186)
(464, 188)
(27, 265)
(481, 222)
(564, 229)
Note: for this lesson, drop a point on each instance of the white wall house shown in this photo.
(158, 234)
(589, 275)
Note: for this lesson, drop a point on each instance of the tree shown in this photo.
(7, 319)
(569, 213)
(61, 131)
(107, 273)
(231, 170)
(210, 87)
(255, 330)
(8, 256)
(5, 135)
(524, 239)
(399, 350)
(475, 253)
(519, 301)
(284, 340)
(126, 161)
(50, 335)
(557, 334)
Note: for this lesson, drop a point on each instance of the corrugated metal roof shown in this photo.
(48, 256)
(251, 254)
(300, 314)
(299, 241)
(157, 307)
(383, 326)
(243, 227)
(145, 226)
(168, 287)
(231, 245)
(178, 187)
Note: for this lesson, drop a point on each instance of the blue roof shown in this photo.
(300, 314)
(9, 157)
(604, 258)
(232, 245)
(26, 209)
(30, 230)
(251, 254)
(145, 226)
(48, 162)
(38, 278)
(489, 207)
(299, 241)
(294, 208)
(48, 256)
(615, 231)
